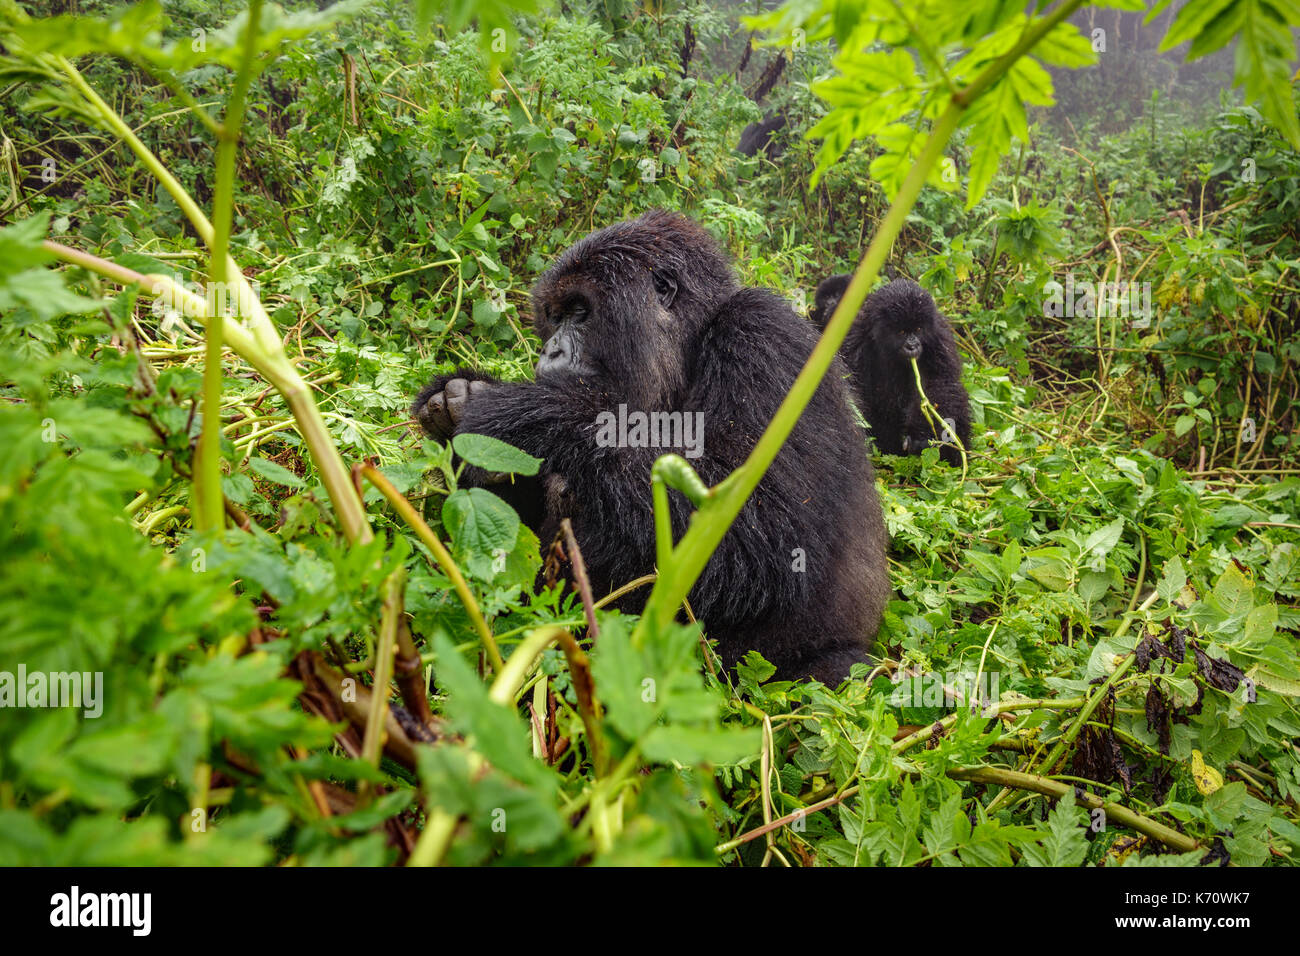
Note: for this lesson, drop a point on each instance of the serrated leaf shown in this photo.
(1172, 581)
(1066, 843)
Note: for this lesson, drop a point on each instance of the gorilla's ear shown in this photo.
(665, 288)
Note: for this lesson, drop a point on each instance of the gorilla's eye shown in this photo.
(576, 312)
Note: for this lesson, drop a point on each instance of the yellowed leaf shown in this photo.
(1207, 778)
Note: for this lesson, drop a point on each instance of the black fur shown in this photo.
(732, 354)
(881, 371)
(828, 294)
(764, 136)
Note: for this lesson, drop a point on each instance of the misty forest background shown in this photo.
(1123, 551)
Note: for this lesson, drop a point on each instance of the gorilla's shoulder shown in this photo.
(761, 310)
(759, 325)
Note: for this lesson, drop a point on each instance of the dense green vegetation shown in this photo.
(1118, 568)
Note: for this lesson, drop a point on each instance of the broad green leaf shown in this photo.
(492, 454)
(1172, 581)
(479, 521)
(690, 746)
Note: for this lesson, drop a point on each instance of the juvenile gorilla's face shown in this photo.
(827, 297)
(905, 338)
(907, 323)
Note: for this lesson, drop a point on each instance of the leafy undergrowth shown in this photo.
(1090, 596)
(1091, 655)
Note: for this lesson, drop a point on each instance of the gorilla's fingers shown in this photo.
(457, 390)
(435, 418)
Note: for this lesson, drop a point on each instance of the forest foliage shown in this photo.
(1091, 655)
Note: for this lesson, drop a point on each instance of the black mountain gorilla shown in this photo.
(899, 322)
(646, 316)
(764, 136)
(828, 294)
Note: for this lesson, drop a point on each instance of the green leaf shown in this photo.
(1232, 592)
(135, 33)
(1066, 843)
(21, 245)
(273, 472)
(690, 746)
(479, 521)
(1102, 541)
(492, 454)
(1065, 45)
(1173, 580)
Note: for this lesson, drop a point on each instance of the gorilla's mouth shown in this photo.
(911, 351)
(573, 369)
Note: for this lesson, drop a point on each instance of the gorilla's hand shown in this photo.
(441, 411)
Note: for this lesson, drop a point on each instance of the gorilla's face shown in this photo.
(623, 307)
(905, 320)
(563, 326)
(827, 297)
(908, 342)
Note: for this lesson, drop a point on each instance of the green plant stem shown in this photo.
(937, 422)
(445, 561)
(511, 680)
(373, 742)
(1120, 814)
(511, 677)
(259, 343)
(993, 710)
(435, 839)
(209, 513)
(151, 162)
(1097, 696)
(712, 521)
(672, 471)
(271, 362)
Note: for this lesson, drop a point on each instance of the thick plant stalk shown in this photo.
(257, 341)
(208, 512)
(272, 364)
(511, 679)
(711, 522)
(937, 421)
(1117, 812)
(384, 648)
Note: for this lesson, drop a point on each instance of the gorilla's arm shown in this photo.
(606, 490)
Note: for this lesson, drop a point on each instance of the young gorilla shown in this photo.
(899, 322)
(648, 314)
